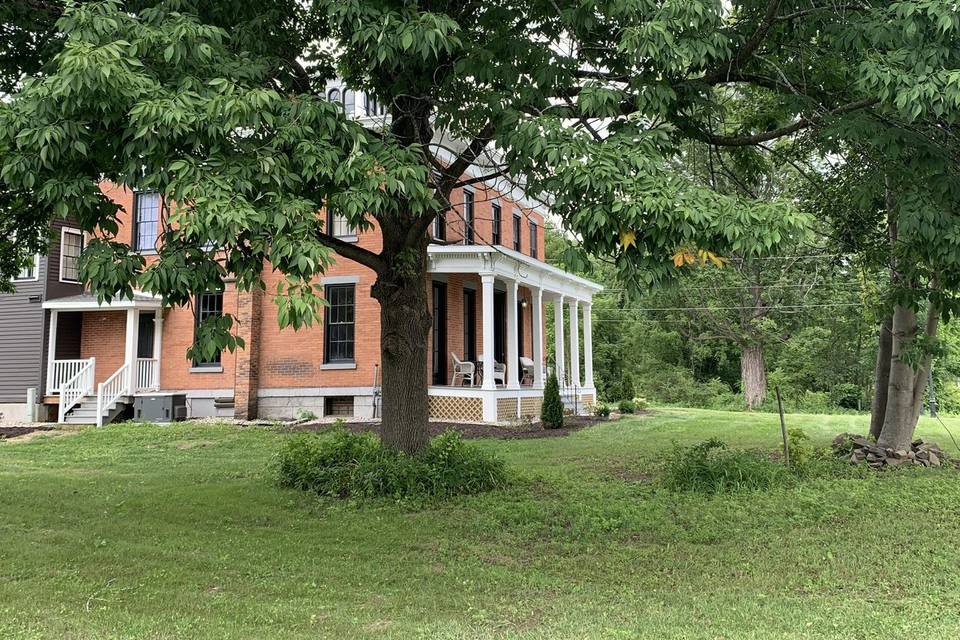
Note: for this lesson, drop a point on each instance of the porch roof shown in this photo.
(89, 302)
(509, 264)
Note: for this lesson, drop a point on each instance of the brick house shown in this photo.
(488, 284)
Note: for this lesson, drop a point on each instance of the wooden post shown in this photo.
(783, 428)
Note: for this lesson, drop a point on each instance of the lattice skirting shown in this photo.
(530, 407)
(506, 409)
(456, 408)
(587, 398)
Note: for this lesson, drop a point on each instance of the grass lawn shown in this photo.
(180, 532)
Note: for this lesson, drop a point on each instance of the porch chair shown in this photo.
(526, 370)
(465, 371)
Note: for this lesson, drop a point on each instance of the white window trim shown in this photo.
(83, 240)
(36, 271)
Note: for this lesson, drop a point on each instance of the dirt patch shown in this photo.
(192, 444)
(572, 424)
(16, 432)
(46, 432)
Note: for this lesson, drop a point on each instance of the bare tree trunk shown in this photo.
(898, 421)
(753, 375)
(404, 327)
(922, 375)
(881, 377)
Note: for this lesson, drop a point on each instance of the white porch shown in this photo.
(84, 392)
(504, 271)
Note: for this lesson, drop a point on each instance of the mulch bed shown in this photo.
(470, 431)
(13, 432)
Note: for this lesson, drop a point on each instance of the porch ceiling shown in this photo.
(89, 302)
(511, 265)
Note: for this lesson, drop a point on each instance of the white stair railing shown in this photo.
(62, 371)
(73, 390)
(110, 390)
(148, 374)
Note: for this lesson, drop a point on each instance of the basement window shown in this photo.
(338, 406)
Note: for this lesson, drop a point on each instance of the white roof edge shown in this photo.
(453, 249)
(87, 302)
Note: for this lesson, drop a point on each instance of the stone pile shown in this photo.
(863, 451)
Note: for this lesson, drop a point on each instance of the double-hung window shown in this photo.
(71, 246)
(338, 323)
(516, 231)
(533, 239)
(497, 222)
(468, 237)
(208, 305)
(339, 227)
(146, 220)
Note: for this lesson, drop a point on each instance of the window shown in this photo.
(533, 239)
(516, 232)
(339, 227)
(440, 226)
(30, 271)
(372, 107)
(468, 236)
(209, 305)
(496, 224)
(333, 95)
(338, 323)
(71, 246)
(338, 406)
(146, 220)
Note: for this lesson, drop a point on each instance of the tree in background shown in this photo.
(219, 106)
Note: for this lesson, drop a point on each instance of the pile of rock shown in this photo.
(862, 451)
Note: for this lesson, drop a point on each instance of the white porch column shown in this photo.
(537, 323)
(574, 345)
(487, 305)
(588, 345)
(559, 366)
(130, 350)
(513, 351)
(51, 350)
(157, 341)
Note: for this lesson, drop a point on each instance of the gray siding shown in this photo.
(24, 324)
(21, 338)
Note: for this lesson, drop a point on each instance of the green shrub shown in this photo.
(626, 407)
(358, 465)
(710, 467)
(601, 410)
(640, 403)
(306, 414)
(801, 451)
(551, 412)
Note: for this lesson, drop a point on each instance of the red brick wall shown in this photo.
(104, 337)
(175, 368)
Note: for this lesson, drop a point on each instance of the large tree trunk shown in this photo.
(404, 327)
(753, 375)
(907, 381)
(881, 377)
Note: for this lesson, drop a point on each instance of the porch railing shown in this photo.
(148, 374)
(63, 370)
(110, 390)
(74, 389)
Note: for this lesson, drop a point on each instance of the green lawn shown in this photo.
(180, 532)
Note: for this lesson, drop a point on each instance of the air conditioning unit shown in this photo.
(160, 407)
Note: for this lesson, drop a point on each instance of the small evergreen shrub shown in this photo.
(601, 410)
(710, 467)
(626, 407)
(627, 386)
(551, 412)
(640, 403)
(358, 465)
(801, 451)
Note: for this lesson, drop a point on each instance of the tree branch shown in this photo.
(352, 251)
(802, 123)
